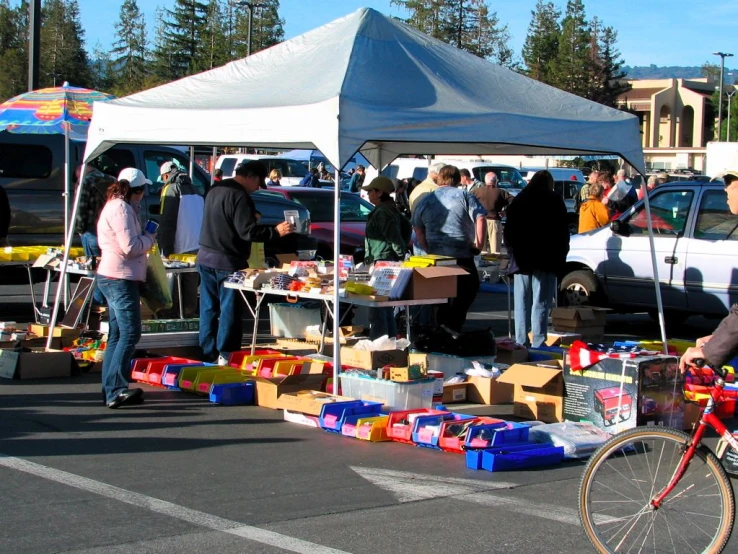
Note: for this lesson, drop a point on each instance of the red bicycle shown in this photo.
(656, 489)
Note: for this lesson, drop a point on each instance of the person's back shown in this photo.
(181, 216)
(449, 224)
(593, 214)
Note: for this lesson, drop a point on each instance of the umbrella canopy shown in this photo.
(50, 110)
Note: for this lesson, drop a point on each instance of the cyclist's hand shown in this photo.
(699, 343)
(688, 358)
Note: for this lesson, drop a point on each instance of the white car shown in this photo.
(292, 171)
(696, 244)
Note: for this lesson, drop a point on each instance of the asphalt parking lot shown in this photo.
(179, 474)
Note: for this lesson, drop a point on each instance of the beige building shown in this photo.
(677, 120)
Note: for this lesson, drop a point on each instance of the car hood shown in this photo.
(590, 248)
(351, 233)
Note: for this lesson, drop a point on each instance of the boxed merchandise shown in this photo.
(558, 338)
(433, 282)
(37, 364)
(409, 373)
(366, 359)
(290, 320)
(269, 389)
(617, 394)
(489, 390)
(454, 393)
(43, 331)
(307, 401)
(348, 334)
(539, 389)
(589, 322)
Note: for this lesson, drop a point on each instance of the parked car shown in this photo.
(558, 173)
(293, 171)
(696, 247)
(32, 174)
(354, 213)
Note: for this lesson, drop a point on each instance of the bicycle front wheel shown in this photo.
(633, 467)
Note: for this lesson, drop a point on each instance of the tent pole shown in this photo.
(212, 166)
(192, 161)
(67, 194)
(336, 279)
(65, 261)
(657, 284)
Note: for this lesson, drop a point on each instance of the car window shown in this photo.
(420, 173)
(353, 207)
(114, 160)
(227, 165)
(714, 220)
(669, 211)
(153, 160)
(288, 168)
(28, 161)
(391, 171)
(567, 189)
(507, 177)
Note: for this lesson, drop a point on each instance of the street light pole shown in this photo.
(730, 95)
(250, 6)
(722, 55)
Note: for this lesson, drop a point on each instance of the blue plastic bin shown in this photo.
(522, 456)
(496, 435)
(233, 394)
(171, 374)
(332, 416)
(421, 435)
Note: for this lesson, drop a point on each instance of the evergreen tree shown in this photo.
(183, 36)
(608, 79)
(101, 67)
(573, 66)
(267, 29)
(214, 41)
(541, 48)
(161, 65)
(13, 49)
(62, 41)
(425, 15)
(128, 56)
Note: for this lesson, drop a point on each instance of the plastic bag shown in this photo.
(155, 292)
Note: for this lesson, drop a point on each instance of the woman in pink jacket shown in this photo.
(121, 271)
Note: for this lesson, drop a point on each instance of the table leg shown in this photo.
(407, 323)
(255, 313)
(33, 294)
(178, 276)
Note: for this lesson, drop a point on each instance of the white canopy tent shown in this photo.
(367, 83)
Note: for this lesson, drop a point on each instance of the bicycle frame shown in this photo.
(707, 418)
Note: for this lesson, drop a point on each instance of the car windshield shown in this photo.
(353, 207)
(507, 177)
(288, 168)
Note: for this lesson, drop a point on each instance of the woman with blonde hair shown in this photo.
(274, 176)
(593, 214)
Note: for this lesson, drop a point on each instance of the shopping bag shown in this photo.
(155, 292)
(256, 259)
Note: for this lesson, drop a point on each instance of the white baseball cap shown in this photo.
(134, 176)
(167, 167)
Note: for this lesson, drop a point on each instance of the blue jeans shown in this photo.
(382, 321)
(534, 294)
(221, 314)
(124, 304)
(92, 248)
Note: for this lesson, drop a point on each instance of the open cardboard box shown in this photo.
(488, 390)
(37, 364)
(539, 389)
(308, 401)
(433, 282)
(348, 334)
(365, 359)
(43, 331)
(269, 389)
(585, 320)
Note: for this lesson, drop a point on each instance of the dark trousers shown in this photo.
(453, 314)
(221, 314)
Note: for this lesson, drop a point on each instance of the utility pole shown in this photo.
(34, 43)
(722, 55)
(250, 6)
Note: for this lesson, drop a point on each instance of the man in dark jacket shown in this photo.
(722, 346)
(229, 227)
(537, 238)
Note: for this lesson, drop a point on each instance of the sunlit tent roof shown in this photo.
(370, 83)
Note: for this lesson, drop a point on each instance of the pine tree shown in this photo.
(101, 72)
(214, 38)
(608, 78)
(425, 15)
(161, 65)
(128, 56)
(573, 67)
(541, 48)
(183, 36)
(267, 29)
(62, 41)
(13, 49)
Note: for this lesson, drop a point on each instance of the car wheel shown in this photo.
(579, 288)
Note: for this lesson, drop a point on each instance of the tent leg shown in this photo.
(192, 161)
(336, 279)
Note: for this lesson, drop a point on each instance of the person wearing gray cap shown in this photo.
(387, 238)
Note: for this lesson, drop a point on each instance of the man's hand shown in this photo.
(689, 356)
(285, 228)
(699, 343)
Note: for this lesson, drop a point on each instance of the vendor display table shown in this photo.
(327, 300)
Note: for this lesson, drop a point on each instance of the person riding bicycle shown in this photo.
(720, 347)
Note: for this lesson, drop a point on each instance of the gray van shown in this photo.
(32, 174)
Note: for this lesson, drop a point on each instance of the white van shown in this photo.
(558, 173)
(292, 170)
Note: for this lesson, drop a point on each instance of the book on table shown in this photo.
(432, 259)
(390, 281)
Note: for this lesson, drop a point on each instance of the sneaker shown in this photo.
(222, 360)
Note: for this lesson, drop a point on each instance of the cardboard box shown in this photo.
(307, 401)
(489, 390)
(587, 321)
(43, 331)
(539, 390)
(558, 338)
(37, 364)
(615, 395)
(348, 334)
(433, 282)
(511, 357)
(409, 373)
(454, 393)
(269, 389)
(364, 359)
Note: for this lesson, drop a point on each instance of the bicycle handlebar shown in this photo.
(701, 362)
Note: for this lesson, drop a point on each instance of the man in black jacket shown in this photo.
(537, 237)
(229, 227)
(722, 346)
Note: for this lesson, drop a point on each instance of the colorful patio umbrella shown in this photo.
(63, 110)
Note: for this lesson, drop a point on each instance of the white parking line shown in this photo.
(195, 517)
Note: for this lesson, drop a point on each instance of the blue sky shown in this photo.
(659, 32)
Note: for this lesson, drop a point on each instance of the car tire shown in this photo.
(579, 288)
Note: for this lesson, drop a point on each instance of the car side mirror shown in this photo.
(620, 228)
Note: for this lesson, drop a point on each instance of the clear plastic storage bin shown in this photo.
(396, 396)
(290, 320)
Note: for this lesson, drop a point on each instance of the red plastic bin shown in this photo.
(455, 442)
